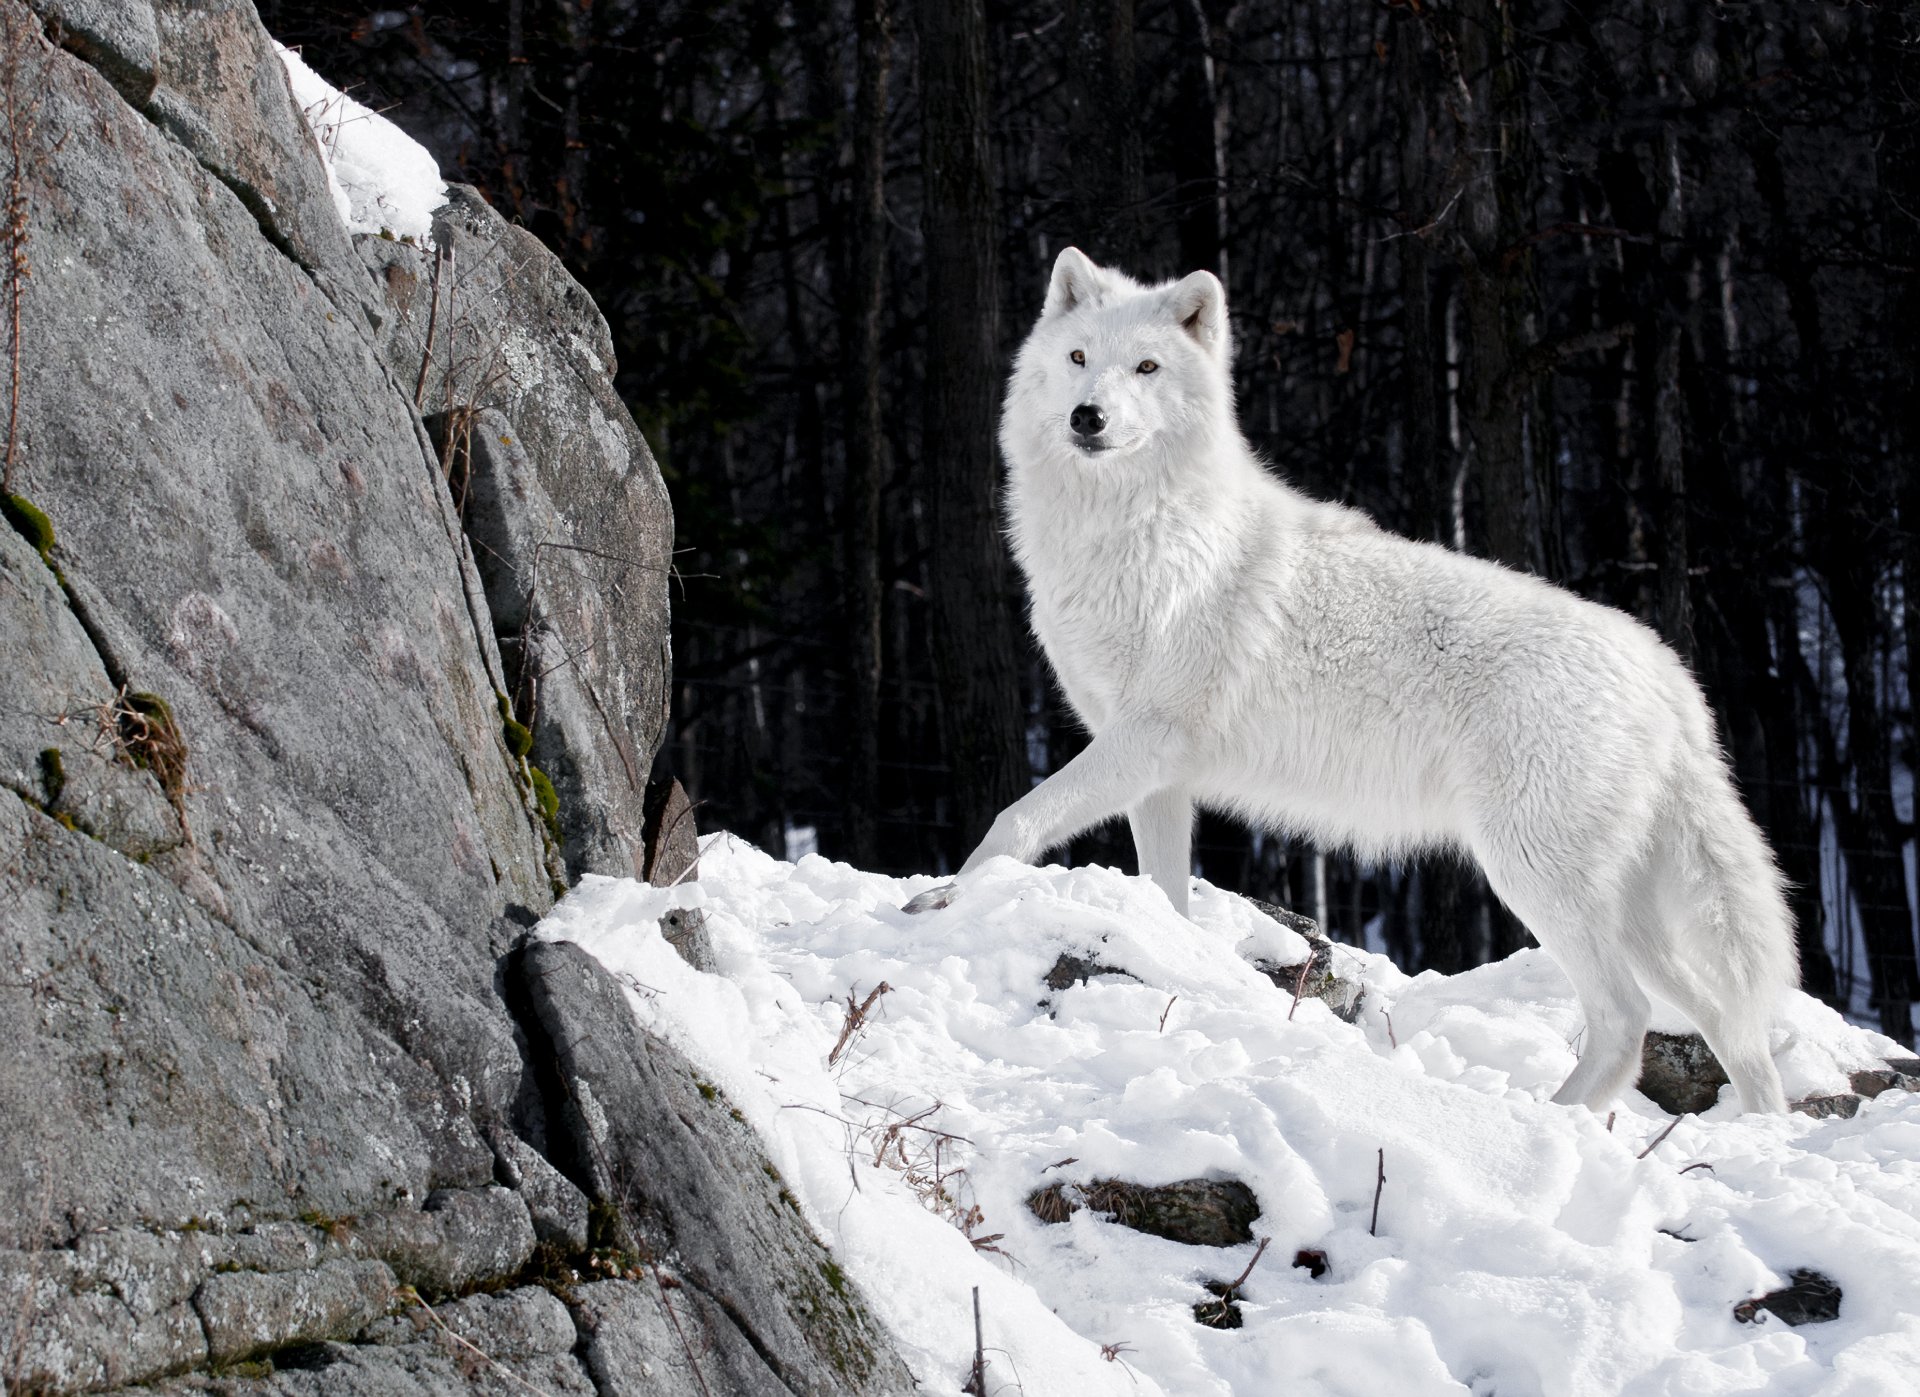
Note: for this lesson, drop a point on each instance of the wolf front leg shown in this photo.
(1121, 768)
(1163, 839)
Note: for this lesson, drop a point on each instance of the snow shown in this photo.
(1523, 1248)
(382, 180)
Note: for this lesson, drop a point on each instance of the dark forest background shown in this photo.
(1623, 293)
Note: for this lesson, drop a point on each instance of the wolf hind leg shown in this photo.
(1617, 1012)
(1581, 929)
(1163, 840)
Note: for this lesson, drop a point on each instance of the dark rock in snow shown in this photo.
(1198, 1212)
(1221, 1312)
(672, 856)
(1070, 970)
(1843, 1105)
(1679, 1073)
(1809, 1298)
(1321, 980)
(1872, 1081)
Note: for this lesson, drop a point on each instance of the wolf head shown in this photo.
(1117, 372)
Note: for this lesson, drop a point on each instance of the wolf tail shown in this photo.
(1732, 934)
(1740, 896)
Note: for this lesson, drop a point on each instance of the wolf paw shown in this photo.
(933, 899)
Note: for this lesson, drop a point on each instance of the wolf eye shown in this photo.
(1147, 366)
(1079, 356)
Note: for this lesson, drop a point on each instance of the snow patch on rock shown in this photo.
(382, 180)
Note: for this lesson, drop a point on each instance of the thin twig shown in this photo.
(977, 1378)
(856, 1019)
(1240, 1280)
(433, 323)
(1164, 1012)
(1379, 1182)
(1299, 985)
(412, 1296)
(1658, 1138)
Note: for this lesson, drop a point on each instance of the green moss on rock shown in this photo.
(547, 799)
(30, 523)
(517, 735)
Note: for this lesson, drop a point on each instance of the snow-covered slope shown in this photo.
(1522, 1248)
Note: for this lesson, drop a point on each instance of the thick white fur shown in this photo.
(1233, 643)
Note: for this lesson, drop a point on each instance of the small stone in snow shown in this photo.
(1810, 1298)
(1679, 1073)
(1071, 970)
(1843, 1105)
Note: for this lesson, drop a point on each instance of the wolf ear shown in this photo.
(1199, 303)
(1076, 282)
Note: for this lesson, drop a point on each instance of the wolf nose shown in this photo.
(1087, 420)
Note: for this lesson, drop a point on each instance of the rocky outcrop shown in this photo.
(569, 519)
(319, 675)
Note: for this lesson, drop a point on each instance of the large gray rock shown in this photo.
(569, 517)
(205, 72)
(265, 838)
(248, 526)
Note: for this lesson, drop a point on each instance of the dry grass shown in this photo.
(856, 1019)
(138, 730)
(924, 1156)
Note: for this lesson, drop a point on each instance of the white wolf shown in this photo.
(1233, 643)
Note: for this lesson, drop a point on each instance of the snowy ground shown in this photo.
(1522, 1247)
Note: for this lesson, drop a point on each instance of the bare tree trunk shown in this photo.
(1428, 470)
(1669, 427)
(1498, 293)
(975, 651)
(1109, 186)
(866, 433)
(1201, 148)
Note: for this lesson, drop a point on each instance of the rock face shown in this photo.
(569, 519)
(285, 773)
